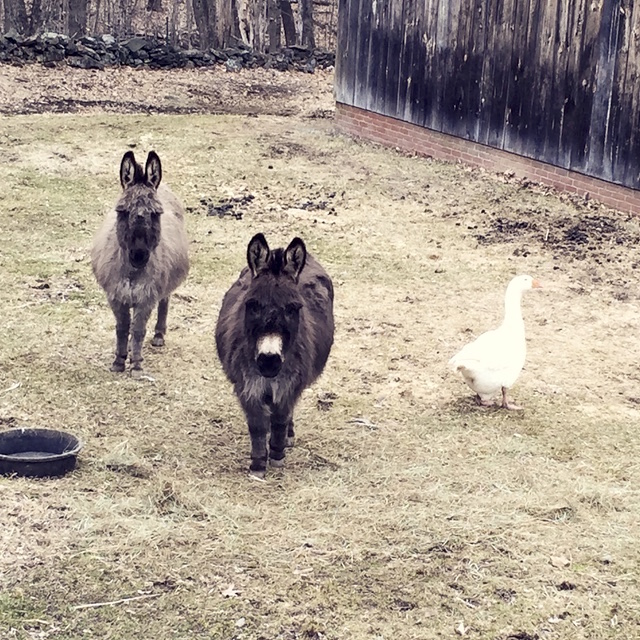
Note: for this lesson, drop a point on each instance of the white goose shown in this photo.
(494, 360)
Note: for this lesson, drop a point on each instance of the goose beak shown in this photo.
(536, 284)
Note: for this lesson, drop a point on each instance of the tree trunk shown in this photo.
(97, 20)
(290, 36)
(260, 25)
(306, 13)
(189, 10)
(228, 34)
(204, 12)
(15, 16)
(173, 22)
(235, 25)
(126, 17)
(77, 18)
(273, 22)
(35, 19)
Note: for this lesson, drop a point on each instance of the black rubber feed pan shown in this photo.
(37, 452)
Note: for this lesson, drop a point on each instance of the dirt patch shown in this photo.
(590, 235)
(568, 236)
(35, 89)
(233, 207)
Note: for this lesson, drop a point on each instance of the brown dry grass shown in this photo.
(404, 511)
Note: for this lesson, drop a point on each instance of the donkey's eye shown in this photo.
(292, 308)
(253, 307)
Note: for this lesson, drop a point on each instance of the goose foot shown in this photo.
(484, 403)
(508, 405)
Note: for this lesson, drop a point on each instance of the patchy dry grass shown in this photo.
(404, 511)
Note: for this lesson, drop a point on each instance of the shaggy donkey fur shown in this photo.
(139, 256)
(274, 335)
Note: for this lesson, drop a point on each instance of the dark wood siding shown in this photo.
(553, 80)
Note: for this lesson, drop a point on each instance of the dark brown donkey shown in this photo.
(139, 256)
(274, 335)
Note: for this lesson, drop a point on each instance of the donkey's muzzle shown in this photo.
(269, 364)
(138, 258)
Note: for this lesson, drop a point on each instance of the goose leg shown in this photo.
(506, 404)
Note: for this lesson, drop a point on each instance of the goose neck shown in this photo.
(512, 309)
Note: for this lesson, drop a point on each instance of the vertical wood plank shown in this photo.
(580, 88)
(363, 53)
(503, 68)
(403, 24)
(488, 55)
(426, 96)
(342, 44)
(414, 61)
(379, 50)
(346, 77)
(516, 44)
(600, 114)
(628, 162)
(621, 131)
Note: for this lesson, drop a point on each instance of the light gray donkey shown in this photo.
(274, 334)
(140, 255)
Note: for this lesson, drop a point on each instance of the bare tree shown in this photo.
(15, 16)
(228, 23)
(77, 18)
(36, 17)
(306, 15)
(273, 28)
(204, 12)
(288, 23)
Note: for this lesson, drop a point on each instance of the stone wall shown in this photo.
(53, 49)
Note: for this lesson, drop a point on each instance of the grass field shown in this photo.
(404, 511)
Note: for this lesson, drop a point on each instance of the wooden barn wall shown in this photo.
(553, 80)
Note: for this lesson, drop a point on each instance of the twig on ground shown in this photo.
(13, 387)
(95, 605)
(363, 422)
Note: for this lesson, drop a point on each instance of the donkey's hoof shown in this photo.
(157, 340)
(277, 464)
(289, 441)
(117, 366)
(137, 373)
(257, 475)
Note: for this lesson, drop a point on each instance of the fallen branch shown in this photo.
(95, 605)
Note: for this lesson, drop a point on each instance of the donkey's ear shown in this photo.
(257, 254)
(295, 257)
(153, 170)
(129, 170)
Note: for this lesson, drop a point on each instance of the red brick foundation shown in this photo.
(410, 137)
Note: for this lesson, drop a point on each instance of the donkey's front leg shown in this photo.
(123, 321)
(259, 431)
(138, 332)
(281, 428)
(161, 324)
